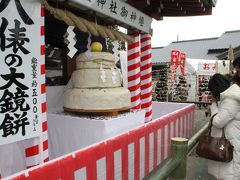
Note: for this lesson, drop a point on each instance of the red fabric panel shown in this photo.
(169, 137)
(160, 125)
(45, 145)
(20, 177)
(51, 171)
(155, 151)
(42, 11)
(150, 128)
(42, 31)
(44, 126)
(42, 47)
(174, 126)
(125, 167)
(32, 151)
(46, 160)
(44, 107)
(162, 141)
(42, 69)
(134, 137)
(120, 142)
(88, 157)
(67, 166)
(43, 88)
(146, 169)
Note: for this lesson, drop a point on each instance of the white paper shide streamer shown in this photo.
(114, 75)
(88, 52)
(102, 74)
(115, 51)
(70, 40)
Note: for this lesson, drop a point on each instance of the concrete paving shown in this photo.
(197, 168)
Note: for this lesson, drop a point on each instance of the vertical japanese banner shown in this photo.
(20, 63)
(174, 63)
(182, 62)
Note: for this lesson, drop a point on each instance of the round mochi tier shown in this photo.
(79, 100)
(95, 60)
(95, 64)
(90, 78)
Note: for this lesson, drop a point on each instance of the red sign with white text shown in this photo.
(207, 68)
(182, 62)
(174, 58)
(174, 62)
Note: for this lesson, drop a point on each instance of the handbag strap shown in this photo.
(210, 128)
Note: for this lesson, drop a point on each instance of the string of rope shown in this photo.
(87, 26)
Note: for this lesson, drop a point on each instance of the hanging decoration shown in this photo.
(70, 40)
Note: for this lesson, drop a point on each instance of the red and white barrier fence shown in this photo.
(146, 76)
(129, 156)
(134, 72)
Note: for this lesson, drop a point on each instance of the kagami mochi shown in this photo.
(96, 85)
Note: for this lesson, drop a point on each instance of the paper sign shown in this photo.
(20, 59)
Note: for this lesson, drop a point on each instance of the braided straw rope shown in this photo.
(87, 26)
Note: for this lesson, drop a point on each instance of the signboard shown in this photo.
(182, 62)
(120, 11)
(207, 68)
(174, 62)
(20, 59)
(174, 58)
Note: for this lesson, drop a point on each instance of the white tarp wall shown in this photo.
(223, 66)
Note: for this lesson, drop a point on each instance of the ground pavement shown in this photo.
(196, 166)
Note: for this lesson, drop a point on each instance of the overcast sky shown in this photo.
(225, 17)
